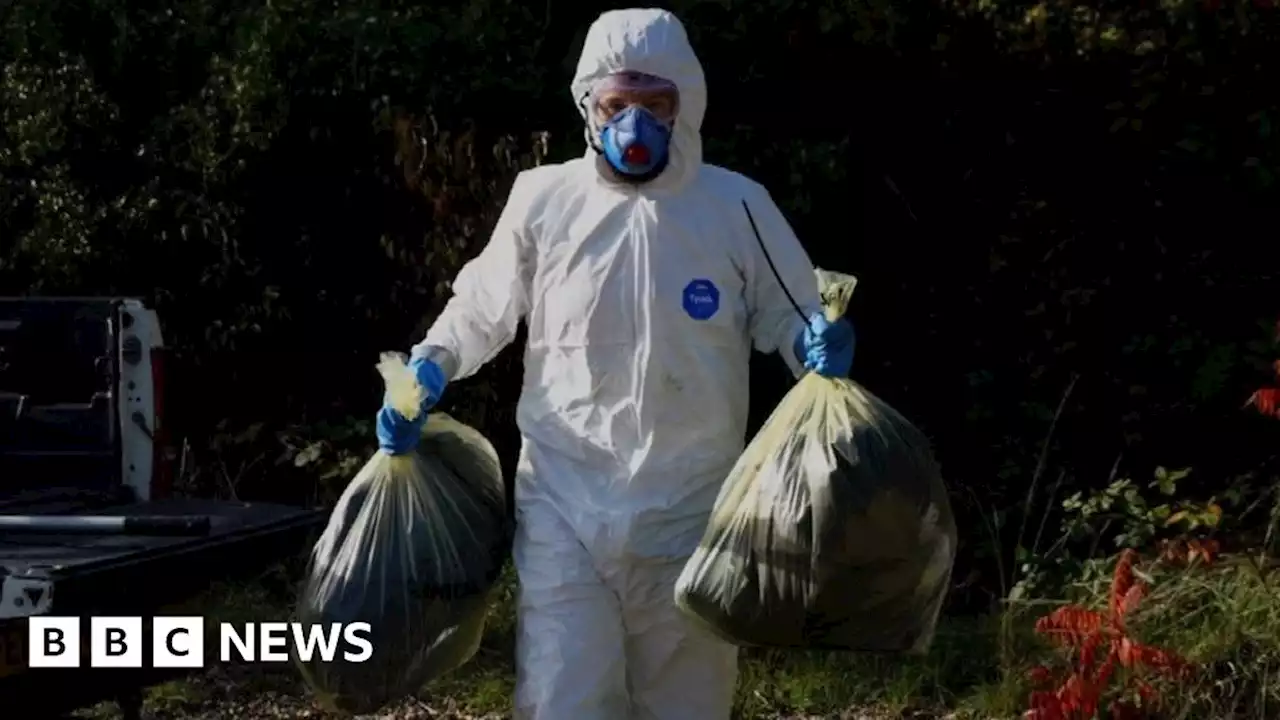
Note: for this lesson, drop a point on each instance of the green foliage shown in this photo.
(1124, 505)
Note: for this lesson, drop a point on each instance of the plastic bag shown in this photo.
(832, 531)
(413, 547)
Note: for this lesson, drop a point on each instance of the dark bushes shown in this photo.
(1030, 194)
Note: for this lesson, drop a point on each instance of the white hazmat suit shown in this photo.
(642, 304)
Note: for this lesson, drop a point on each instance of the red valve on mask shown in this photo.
(636, 154)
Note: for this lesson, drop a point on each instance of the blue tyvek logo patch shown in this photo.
(701, 299)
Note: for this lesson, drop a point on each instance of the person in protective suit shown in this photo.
(644, 283)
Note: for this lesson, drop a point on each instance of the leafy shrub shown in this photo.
(1103, 648)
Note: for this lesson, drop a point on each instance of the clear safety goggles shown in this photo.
(620, 91)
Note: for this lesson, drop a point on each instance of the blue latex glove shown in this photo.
(397, 435)
(826, 347)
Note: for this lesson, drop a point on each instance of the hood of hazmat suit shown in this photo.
(611, 48)
(643, 303)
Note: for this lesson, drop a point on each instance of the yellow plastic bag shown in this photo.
(413, 547)
(832, 531)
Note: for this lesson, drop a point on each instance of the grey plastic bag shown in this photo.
(414, 547)
(832, 531)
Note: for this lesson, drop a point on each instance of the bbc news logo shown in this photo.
(179, 642)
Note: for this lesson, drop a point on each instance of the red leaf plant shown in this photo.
(1101, 643)
(1267, 400)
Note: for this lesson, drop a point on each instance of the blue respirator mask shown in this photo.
(636, 144)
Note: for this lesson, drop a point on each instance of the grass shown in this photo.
(775, 684)
(1224, 618)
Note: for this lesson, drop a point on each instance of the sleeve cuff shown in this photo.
(438, 355)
